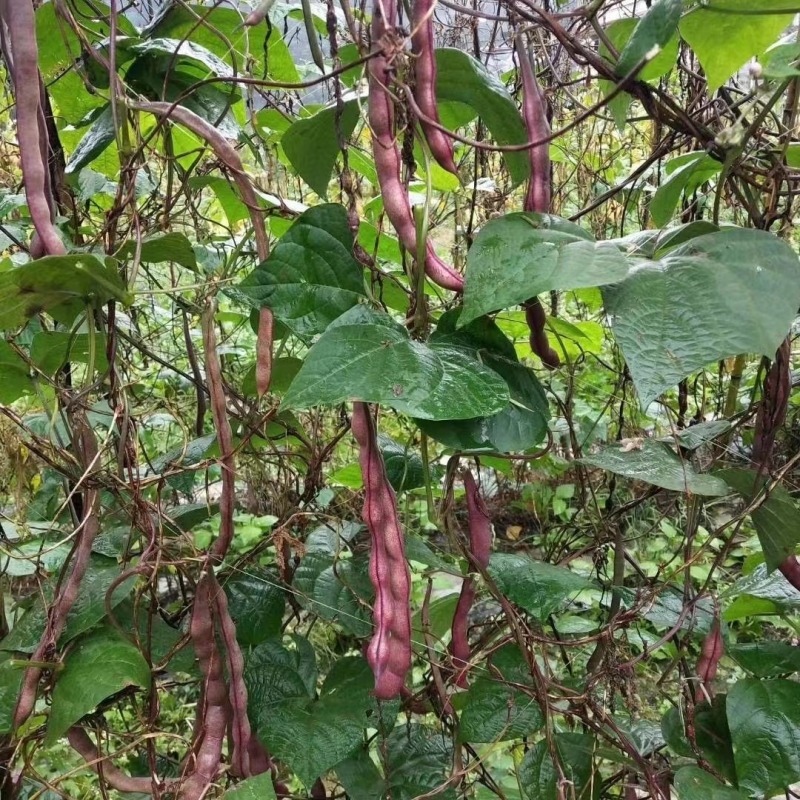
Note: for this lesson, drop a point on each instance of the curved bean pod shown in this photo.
(387, 155)
(536, 317)
(31, 132)
(422, 43)
(480, 544)
(389, 651)
(710, 654)
(227, 154)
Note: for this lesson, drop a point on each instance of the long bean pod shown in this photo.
(422, 43)
(389, 652)
(480, 544)
(387, 154)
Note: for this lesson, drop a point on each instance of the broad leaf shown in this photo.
(311, 276)
(99, 666)
(184, 50)
(538, 776)
(735, 291)
(59, 285)
(51, 350)
(764, 720)
(94, 142)
(654, 30)
(462, 78)
(766, 659)
(686, 173)
(376, 361)
(418, 761)
(10, 681)
(312, 144)
(724, 41)
(404, 467)
(765, 586)
(519, 256)
(171, 246)
(776, 520)
(15, 379)
(495, 712)
(360, 777)
(537, 587)
(258, 787)
(693, 783)
(256, 602)
(656, 463)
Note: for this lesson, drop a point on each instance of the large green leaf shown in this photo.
(404, 467)
(15, 379)
(495, 712)
(522, 424)
(462, 78)
(418, 761)
(376, 361)
(10, 681)
(94, 142)
(734, 291)
(538, 587)
(360, 777)
(258, 787)
(655, 29)
(693, 783)
(766, 586)
(519, 256)
(172, 246)
(51, 350)
(724, 41)
(256, 602)
(538, 776)
(182, 49)
(656, 463)
(99, 666)
(764, 720)
(60, 285)
(89, 608)
(686, 173)
(766, 659)
(311, 276)
(310, 735)
(776, 520)
(312, 144)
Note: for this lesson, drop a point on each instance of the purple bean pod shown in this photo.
(19, 18)
(387, 154)
(710, 654)
(538, 195)
(422, 43)
(389, 651)
(480, 545)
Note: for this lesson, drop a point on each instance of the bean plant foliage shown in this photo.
(398, 399)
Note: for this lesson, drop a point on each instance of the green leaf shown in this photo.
(672, 237)
(765, 586)
(336, 590)
(89, 608)
(656, 463)
(311, 276)
(735, 291)
(495, 712)
(312, 144)
(698, 435)
(15, 379)
(184, 50)
(538, 776)
(256, 602)
(60, 285)
(519, 256)
(10, 682)
(94, 142)
(724, 41)
(766, 659)
(258, 787)
(312, 736)
(776, 520)
(360, 777)
(781, 62)
(462, 78)
(693, 783)
(171, 246)
(655, 29)
(51, 350)
(537, 587)
(619, 33)
(375, 361)
(764, 720)
(418, 761)
(404, 467)
(522, 424)
(99, 666)
(694, 169)
(274, 674)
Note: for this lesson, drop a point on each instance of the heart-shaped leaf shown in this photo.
(518, 256)
(311, 277)
(734, 291)
(366, 356)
